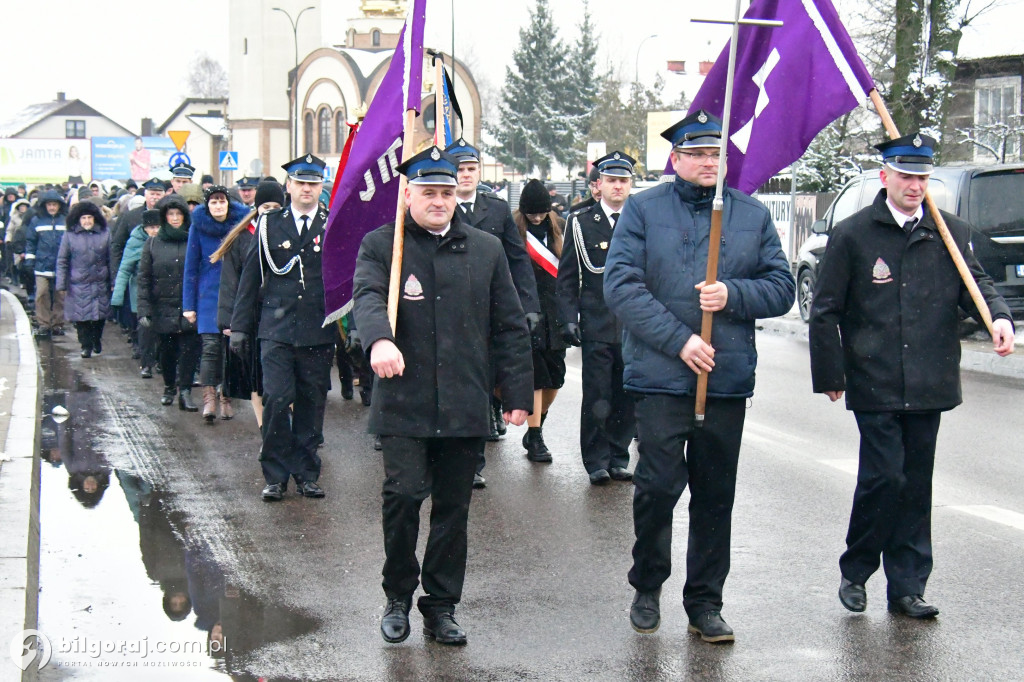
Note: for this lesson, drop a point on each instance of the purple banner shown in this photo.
(367, 194)
(790, 83)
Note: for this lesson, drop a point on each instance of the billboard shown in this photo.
(37, 161)
(138, 158)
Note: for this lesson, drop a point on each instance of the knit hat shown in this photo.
(269, 190)
(136, 201)
(216, 189)
(534, 198)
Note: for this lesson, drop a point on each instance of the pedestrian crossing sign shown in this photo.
(228, 161)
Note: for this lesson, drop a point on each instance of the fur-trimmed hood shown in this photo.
(205, 223)
(86, 208)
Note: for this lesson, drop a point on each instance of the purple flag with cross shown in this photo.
(790, 82)
(367, 194)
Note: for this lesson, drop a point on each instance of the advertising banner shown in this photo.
(138, 158)
(37, 161)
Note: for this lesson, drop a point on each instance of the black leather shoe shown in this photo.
(87, 352)
(347, 392)
(913, 606)
(499, 418)
(711, 628)
(600, 477)
(443, 629)
(394, 626)
(168, 397)
(146, 372)
(274, 492)
(853, 595)
(620, 474)
(310, 489)
(645, 613)
(97, 347)
(377, 444)
(366, 396)
(536, 449)
(479, 482)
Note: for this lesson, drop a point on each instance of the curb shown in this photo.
(975, 356)
(19, 484)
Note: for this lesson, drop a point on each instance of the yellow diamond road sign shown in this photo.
(178, 137)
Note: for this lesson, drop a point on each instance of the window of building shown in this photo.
(74, 128)
(323, 140)
(996, 115)
(340, 130)
(307, 130)
(375, 38)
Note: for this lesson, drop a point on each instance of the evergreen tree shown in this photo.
(584, 82)
(533, 128)
(622, 124)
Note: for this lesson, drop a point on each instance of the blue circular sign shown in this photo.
(178, 157)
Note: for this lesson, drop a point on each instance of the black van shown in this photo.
(990, 198)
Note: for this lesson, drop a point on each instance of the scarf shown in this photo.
(172, 234)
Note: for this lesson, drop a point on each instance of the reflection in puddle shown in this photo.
(124, 586)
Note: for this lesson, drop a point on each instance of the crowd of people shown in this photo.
(223, 289)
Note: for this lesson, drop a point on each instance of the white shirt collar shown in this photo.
(442, 232)
(608, 210)
(900, 217)
(298, 216)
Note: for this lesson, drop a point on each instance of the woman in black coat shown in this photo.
(243, 377)
(161, 272)
(542, 226)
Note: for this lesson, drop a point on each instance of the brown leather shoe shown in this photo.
(225, 408)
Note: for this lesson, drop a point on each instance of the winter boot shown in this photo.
(225, 407)
(209, 403)
(536, 450)
(185, 401)
(168, 397)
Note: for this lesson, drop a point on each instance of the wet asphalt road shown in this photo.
(295, 586)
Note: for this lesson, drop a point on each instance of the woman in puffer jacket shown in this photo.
(83, 272)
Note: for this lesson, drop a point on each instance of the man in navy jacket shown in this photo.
(654, 283)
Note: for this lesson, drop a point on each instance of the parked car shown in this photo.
(990, 198)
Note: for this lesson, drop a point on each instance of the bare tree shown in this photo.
(1001, 139)
(206, 77)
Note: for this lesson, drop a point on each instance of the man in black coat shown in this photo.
(607, 423)
(487, 212)
(282, 272)
(883, 329)
(459, 320)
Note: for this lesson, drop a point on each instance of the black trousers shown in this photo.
(415, 468)
(674, 455)
(297, 376)
(211, 362)
(90, 334)
(179, 357)
(148, 342)
(891, 518)
(607, 422)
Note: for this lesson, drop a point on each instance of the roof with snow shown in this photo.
(34, 113)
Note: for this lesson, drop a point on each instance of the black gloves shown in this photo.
(146, 322)
(237, 342)
(571, 334)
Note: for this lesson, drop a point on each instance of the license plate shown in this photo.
(1020, 270)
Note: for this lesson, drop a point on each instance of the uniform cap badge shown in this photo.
(413, 289)
(702, 117)
(917, 140)
(617, 156)
(434, 154)
(309, 158)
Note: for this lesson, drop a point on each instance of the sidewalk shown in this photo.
(976, 354)
(19, 480)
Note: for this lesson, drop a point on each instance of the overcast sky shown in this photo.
(129, 59)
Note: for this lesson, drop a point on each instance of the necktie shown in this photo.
(910, 225)
(305, 224)
(467, 208)
(615, 219)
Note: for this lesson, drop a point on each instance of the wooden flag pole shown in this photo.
(715, 236)
(933, 211)
(398, 246)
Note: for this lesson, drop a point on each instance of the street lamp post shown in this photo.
(294, 85)
(636, 75)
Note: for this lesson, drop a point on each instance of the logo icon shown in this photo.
(27, 645)
(881, 272)
(413, 289)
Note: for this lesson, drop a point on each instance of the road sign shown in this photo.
(178, 137)
(178, 157)
(228, 161)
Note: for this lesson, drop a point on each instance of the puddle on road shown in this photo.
(125, 591)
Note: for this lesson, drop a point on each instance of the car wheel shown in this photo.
(805, 294)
